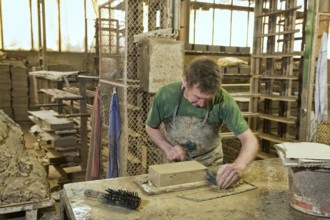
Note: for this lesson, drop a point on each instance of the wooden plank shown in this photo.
(273, 138)
(225, 135)
(278, 118)
(279, 98)
(243, 94)
(30, 208)
(278, 33)
(48, 121)
(264, 155)
(279, 77)
(278, 12)
(55, 75)
(56, 158)
(277, 54)
(60, 94)
(227, 75)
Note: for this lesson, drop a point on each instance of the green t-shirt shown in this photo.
(223, 109)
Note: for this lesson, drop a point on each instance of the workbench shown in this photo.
(268, 201)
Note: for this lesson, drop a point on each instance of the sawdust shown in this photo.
(22, 178)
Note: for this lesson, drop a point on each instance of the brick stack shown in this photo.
(20, 93)
(5, 89)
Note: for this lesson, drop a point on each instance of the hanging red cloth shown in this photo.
(93, 163)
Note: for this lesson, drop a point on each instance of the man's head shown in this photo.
(201, 80)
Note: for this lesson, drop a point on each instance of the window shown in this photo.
(72, 25)
(221, 22)
(16, 25)
(64, 20)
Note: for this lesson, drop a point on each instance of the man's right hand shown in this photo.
(176, 153)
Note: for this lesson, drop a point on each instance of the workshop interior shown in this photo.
(79, 78)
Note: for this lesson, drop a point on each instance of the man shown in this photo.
(192, 112)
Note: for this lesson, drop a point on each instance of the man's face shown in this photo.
(196, 97)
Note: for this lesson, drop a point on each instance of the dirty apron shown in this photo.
(200, 139)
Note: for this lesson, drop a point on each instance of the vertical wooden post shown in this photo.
(307, 80)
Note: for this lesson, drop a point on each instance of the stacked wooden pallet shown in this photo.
(57, 136)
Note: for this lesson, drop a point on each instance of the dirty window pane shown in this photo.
(34, 9)
(225, 2)
(51, 14)
(221, 27)
(16, 29)
(91, 13)
(241, 2)
(207, 1)
(72, 25)
(239, 29)
(203, 32)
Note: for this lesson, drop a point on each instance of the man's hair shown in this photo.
(205, 73)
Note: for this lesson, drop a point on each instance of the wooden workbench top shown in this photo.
(268, 201)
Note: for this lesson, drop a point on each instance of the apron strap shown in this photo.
(205, 117)
(178, 104)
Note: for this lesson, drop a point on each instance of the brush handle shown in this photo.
(93, 193)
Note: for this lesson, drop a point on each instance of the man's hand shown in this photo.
(176, 153)
(229, 174)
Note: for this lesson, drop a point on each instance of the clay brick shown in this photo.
(169, 174)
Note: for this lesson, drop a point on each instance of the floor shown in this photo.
(50, 213)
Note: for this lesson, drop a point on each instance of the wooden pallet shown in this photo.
(31, 209)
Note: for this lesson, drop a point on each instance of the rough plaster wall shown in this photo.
(162, 63)
(22, 178)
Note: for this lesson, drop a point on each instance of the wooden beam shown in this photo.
(308, 72)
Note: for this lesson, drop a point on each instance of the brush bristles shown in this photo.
(122, 198)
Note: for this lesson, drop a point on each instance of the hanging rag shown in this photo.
(321, 82)
(114, 137)
(93, 162)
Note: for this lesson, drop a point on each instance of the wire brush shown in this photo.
(121, 198)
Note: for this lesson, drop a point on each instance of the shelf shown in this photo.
(279, 33)
(196, 52)
(278, 55)
(279, 12)
(264, 155)
(60, 94)
(61, 133)
(276, 77)
(279, 98)
(278, 118)
(235, 75)
(273, 138)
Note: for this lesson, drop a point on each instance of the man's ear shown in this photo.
(184, 82)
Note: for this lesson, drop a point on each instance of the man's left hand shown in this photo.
(229, 174)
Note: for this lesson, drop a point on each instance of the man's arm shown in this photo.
(172, 152)
(230, 173)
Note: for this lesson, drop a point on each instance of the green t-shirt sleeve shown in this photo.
(232, 116)
(163, 104)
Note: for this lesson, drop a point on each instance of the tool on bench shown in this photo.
(211, 177)
(122, 198)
